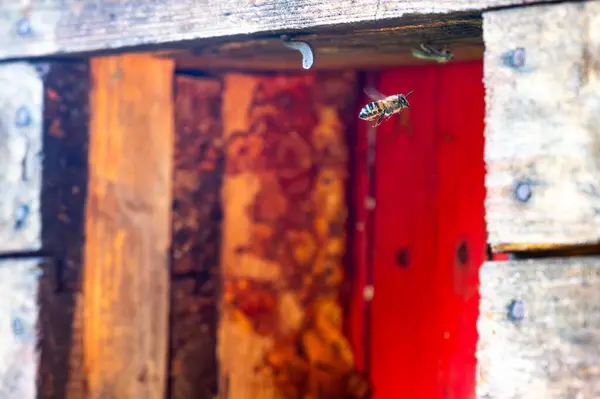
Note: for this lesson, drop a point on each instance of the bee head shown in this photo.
(402, 99)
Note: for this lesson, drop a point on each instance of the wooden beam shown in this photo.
(128, 221)
(196, 235)
(539, 329)
(542, 136)
(43, 27)
(43, 173)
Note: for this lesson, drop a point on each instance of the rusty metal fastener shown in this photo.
(515, 58)
(516, 310)
(308, 55)
(23, 28)
(523, 190)
(23, 117)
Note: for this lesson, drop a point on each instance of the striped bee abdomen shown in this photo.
(371, 110)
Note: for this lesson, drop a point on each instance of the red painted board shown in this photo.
(429, 194)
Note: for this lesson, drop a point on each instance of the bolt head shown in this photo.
(516, 310)
(23, 117)
(523, 191)
(23, 28)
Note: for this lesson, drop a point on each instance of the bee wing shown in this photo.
(374, 94)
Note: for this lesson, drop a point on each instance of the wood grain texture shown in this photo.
(21, 121)
(284, 238)
(19, 311)
(64, 188)
(542, 126)
(128, 222)
(44, 27)
(363, 48)
(554, 351)
(196, 235)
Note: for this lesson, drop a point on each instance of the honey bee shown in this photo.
(383, 107)
(426, 52)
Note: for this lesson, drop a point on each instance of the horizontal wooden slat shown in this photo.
(542, 136)
(19, 310)
(43, 27)
(21, 118)
(554, 350)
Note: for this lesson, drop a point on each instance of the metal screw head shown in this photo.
(516, 310)
(23, 28)
(523, 191)
(21, 214)
(23, 117)
(515, 58)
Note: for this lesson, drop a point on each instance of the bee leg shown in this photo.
(379, 120)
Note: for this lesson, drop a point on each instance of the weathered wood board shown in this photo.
(19, 311)
(196, 236)
(128, 223)
(553, 351)
(45, 27)
(284, 236)
(63, 195)
(542, 67)
(21, 122)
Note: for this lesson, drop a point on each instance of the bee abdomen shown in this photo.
(370, 110)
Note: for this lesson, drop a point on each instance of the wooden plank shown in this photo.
(362, 48)
(45, 27)
(554, 350)
(281, 320)
(196, 235)
(542, 137)
(19, 312)
(64, 188)
(128, 221)
(21, 123)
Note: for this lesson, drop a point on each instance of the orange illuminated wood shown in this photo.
(281, 332)
(128, 221)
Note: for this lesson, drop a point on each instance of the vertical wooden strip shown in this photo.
(64, 188)
(196, 237)
(405, 239)
(281, 329)
(128, 222)
(19, 310)
(461, 235)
